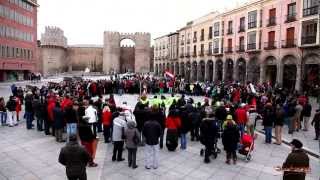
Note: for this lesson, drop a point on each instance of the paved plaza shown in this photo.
(30, 155)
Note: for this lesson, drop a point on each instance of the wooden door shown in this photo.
(290, 36)
(271, 38)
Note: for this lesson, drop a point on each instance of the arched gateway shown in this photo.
(112, 52)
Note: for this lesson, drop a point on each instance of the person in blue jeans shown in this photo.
(3, 112)
(268, 121)
(29, 110)
(71, 118)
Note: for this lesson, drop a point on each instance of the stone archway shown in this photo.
(188, 71)
(270, 68)
(241, 70)
(209, 71)
(176, 69)
(228, 70)
(202, 71)
(219, 70)
(311, 72)
(194, 70)
(253, 70)
(112, 51)
(289, 72)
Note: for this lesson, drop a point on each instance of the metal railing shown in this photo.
(252, 46)
(242, 29)
(309, 39)
(270, 45)
(310, 11)
(271, 21)
(291, 17)
(252, 24)
(240, 48)
(289, 43)
(228, 50)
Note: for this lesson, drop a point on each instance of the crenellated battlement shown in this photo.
(53, 36)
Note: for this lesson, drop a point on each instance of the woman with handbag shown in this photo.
(132, 140)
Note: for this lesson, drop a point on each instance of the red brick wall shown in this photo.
(17, 63)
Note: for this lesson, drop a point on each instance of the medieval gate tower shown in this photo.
(112, 51)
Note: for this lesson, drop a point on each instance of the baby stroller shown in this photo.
(215, 150)
(246, 146)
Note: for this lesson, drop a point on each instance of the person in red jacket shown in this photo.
(106, 121)
(18, 107)
(51, 105)
(173, 124)
(241, 115)
(66, 102)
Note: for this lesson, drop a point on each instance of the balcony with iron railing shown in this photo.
(240, 48)
(271, 21)
(291, 18)
(308, 39)
(270, 45)
(188, 41)
(215, 50)
(251, 46)
(182, 43)
(289, 43)
(229, 31)
(200, 53)
(181, 55)
(187, 55)
(210, 36)
(216, 33)
(202, 38)
(310, 11)
(242, 29)
(228, 49)
(209, 52)
(194, 54)
(252, 24)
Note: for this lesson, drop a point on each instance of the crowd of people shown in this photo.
(230, 112)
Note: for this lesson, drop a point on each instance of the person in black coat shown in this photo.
(59, 124)
(306, 113)
(196, 117)
(152, 132)
(159, 115)
(209, 133)
(186, 123)
(39, 112)
(268, 121)
(75, 158)
(230, 140)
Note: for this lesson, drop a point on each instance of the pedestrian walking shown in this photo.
(279, 121)
(306, 113)
(59, 123)
(107, 122)
(268, 121)
(316, 124)
(75, 158)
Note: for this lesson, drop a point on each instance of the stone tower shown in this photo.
(53, 51)
(112, 51)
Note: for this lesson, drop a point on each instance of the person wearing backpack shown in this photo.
(132, 140)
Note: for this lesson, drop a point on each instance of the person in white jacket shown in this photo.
(92, 115)
(119, 127)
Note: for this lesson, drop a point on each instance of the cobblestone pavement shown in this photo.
(30, 155)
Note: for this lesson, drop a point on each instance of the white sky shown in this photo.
(84, 21)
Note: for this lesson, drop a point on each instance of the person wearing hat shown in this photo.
(75, 158)
(230, 140)
(295, 162)
(229, 119)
